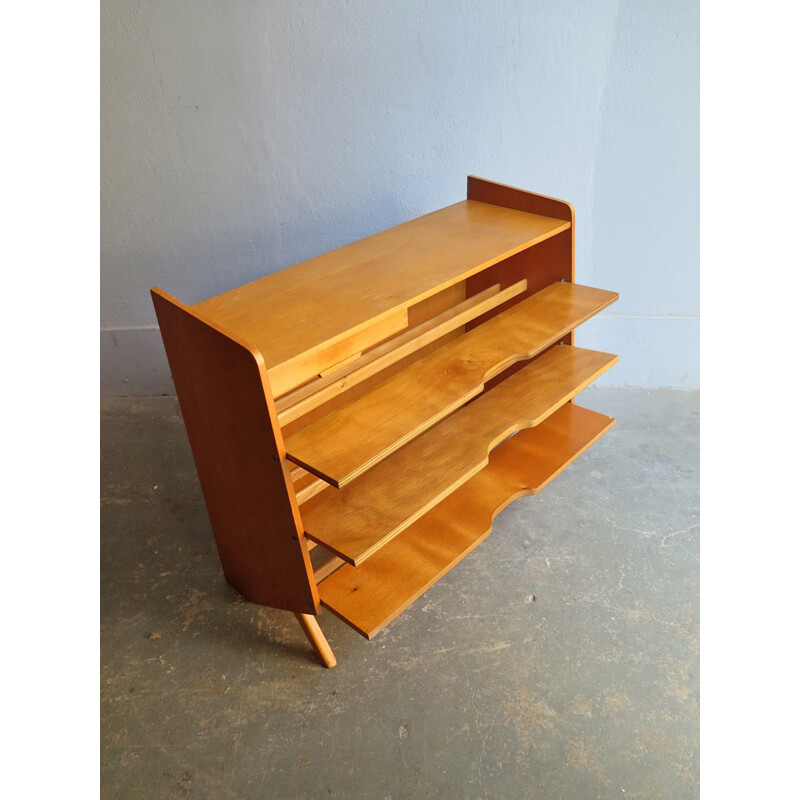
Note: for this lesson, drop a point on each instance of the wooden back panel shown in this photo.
(230, 418)
(498, 194)
(547, 262)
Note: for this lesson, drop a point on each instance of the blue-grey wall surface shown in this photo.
(241, 137)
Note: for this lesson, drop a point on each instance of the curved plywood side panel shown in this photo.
(229, 414)
(369, 597)
(357, 521)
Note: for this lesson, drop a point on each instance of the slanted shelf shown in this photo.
(353, 438)
(355, 522)
(375, 360)
(384, 401)
(371, 596)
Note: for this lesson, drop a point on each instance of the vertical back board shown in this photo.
(549, 261)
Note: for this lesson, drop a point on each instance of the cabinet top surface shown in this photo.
(326, 298)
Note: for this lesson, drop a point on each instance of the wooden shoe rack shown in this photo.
(384, 401)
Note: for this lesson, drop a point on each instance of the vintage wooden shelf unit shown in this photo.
(364, 402)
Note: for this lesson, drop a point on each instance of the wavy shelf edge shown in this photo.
(369, 597)
(336, 449)
(299, 402)
(359, 520)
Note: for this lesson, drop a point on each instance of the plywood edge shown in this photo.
(330, 354)
(165, 297)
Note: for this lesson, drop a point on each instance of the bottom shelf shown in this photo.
(370, 596)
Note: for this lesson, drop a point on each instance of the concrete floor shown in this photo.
(559, 660)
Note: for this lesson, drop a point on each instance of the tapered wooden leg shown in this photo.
(310, 626)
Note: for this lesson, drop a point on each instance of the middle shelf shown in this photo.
(356, 521)
(355, 437)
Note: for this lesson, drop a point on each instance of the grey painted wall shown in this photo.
(241, 137)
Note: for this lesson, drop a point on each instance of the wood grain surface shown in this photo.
(355, 522)
(297, 313)
(313, 394)
(233, 432)
(372, 595)
(352, 439)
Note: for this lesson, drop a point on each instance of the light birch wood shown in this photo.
(355, 522)
(268, 361)
(317, 638)
(312, 395)
(354, 438)
(371, 596)
(295, 315)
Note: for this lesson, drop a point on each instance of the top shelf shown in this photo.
(358, 289)
(354, 437)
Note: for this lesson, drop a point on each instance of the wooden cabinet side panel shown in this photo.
(230, 419)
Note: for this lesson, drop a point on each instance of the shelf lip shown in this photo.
(357, 521)
(289, 313)
(369, 597)
(354, 438)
